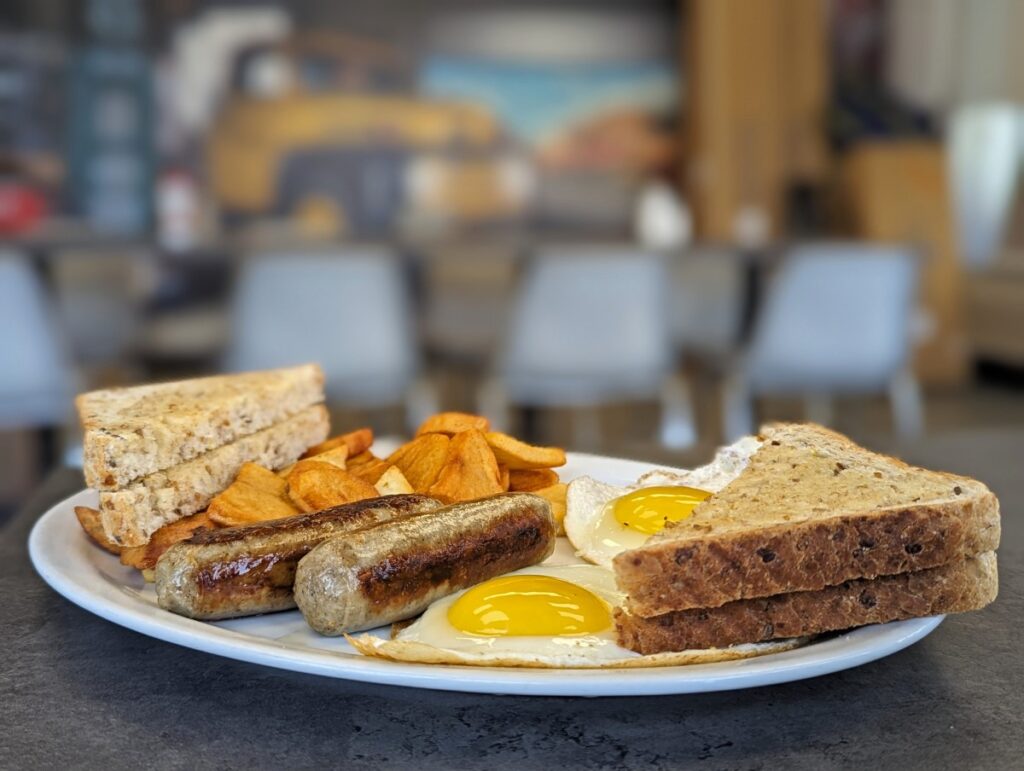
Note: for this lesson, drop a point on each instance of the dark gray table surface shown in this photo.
(79, 691)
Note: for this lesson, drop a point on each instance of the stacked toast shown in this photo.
(815, 535)
(158, 453)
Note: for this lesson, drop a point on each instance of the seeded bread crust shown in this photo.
(957, 587)
(131, 515)
(133, 432)
(811, 510)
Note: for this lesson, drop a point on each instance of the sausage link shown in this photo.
(243, 571)
(394, 571)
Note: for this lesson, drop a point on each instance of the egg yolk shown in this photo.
(649, 509)
(524, 605)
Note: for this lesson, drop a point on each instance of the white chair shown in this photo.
(37, 378)
(836, 320)
(590, 326)
(349, 311)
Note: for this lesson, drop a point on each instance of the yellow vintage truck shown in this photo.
(326, 128)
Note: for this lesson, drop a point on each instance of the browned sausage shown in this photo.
(394, 571)
(242, 571)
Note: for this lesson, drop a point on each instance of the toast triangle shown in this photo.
(133, 432)
(812, 509)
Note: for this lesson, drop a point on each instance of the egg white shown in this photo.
(591, 526)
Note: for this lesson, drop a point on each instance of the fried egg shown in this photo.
(541, 616)
(602, 520)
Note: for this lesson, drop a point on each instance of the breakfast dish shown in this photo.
(455, 538)
(95, 580)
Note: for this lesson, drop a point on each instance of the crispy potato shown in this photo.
(421, 459)
(337, 456)
(92, 524)
(144, 557)
(329, 458)
(453, 423)
(148, 575)
(393, 482)
(261, 478)
(356, 441)
(361, 459)
(555, 495)
(528, 480)
(519, 456)
(256, 495)
(504, 478)
(367, 467)
(469, 471)
(313, 486)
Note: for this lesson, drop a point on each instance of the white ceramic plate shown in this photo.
(97, 582)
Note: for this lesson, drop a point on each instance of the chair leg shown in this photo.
(421, 401)
(492, 403)
(678, 429)
(818, 408)
(586, 428)
(907, 405)
(737, 408)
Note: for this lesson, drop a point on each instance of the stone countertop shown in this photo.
(76, 690)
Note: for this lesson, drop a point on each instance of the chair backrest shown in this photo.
(37, 378)
(592, 319)
(837, 317)
(348, 310)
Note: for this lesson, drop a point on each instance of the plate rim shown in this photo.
(844, 651)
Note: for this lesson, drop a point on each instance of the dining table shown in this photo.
(79, 691)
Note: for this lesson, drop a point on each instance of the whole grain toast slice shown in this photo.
(812, 509)
(958, 586)
(133, 513)
(133, 432)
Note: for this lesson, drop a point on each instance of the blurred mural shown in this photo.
(637, 227)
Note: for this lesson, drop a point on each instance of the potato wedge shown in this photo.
(145, 557)
(356, 441)
(393, 482)
(92, 524)
(336, 456)
(555, 495)
(256, 495)
(469, 471)
(519, 456)
(370, 469)
(528, 480)
(504, 478)
(313, 486)
(453, 423)
(361, 459)
(421, 459)
(255, 475)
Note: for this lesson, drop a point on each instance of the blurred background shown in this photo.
(634, 228)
